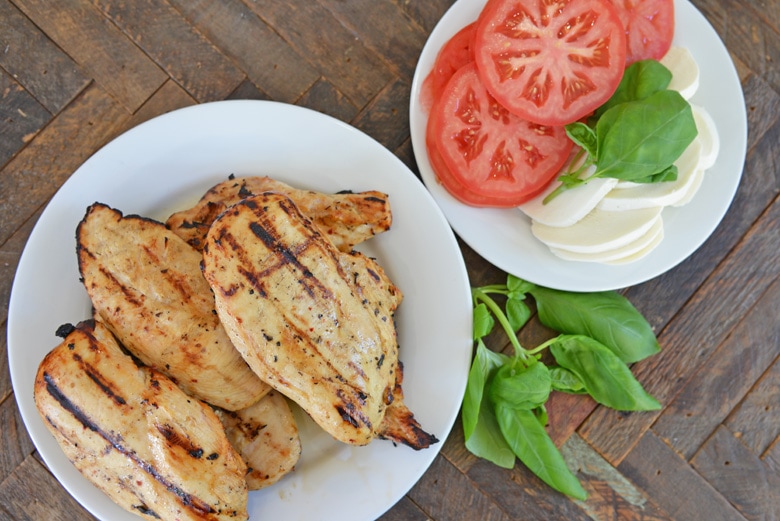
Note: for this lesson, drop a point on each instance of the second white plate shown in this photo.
(503, 236)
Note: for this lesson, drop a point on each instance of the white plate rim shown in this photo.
(190, 129)
(503, 236)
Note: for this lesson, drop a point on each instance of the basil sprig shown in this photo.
(504, 414)
(637, 135)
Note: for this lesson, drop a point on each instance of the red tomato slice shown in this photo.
(649, 26)
(487, 156)
(550, 62)
(457, 52)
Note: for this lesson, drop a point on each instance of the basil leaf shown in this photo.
(531, 443)
(519, 387)
(669, 174)
(583, 136)
(606, 316)
(518, 287)
(640, 80)
(483, 321)
(517, 312)
(637, 139)
(565, 381)
(607, 378)
(480, 427)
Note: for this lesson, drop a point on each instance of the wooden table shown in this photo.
(75, 74)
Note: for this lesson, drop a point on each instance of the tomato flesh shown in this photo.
(649, 26)
(551, 62)
(457, 52)
(483, 154)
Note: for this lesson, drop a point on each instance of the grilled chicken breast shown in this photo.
(399, 424)
(315, 323)
(266, 436)
(345, 218)
(146, 285)
(156, 451)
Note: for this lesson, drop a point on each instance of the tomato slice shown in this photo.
(551, 62)
(487, 156)
(457, 52)
(649, 26)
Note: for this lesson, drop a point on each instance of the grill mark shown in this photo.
(188, 500)
(126, 291)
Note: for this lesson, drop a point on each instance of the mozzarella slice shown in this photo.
(641, 253)
(695, 185)
(599, 231)
(615, 255)
(685, 71)
(568, 207)
(647, 195)
(708, 136)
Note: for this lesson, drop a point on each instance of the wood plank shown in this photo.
(5, 377)
(21, 497)
(21, 117)
(169, 98)
(717, 387)
(610, 494)
(268, 61)
(385, 28)
(41, 168)
(740, 476)
(445, 493)
(756, 421)
(519, 490)
(324, 97)
(41, 67)
(404, 510)
(340, 56)
(675, 486)
(425, 14)
(99, 47)
(753, 46)
(386, 118)
(711, 314)
(15, 445)
(193, 61)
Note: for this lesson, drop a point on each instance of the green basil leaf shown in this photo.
(519, 387)
(518, 287)
(637, 139)
(480, 427)
(517, 312)
(565, 381)
(483, 321)
(607, 378)
(640, 80)
(669, 174)
(531, 443)
(606, 316)
(583, 136)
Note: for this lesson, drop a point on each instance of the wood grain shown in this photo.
(75, 74)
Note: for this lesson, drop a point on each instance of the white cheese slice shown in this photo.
(695, 185)
(685, 71)
(568, 207)
(615, 255)
(647, 195)
(641, 253)
(708, 136)
(599, 231)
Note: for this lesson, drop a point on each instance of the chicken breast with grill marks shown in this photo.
(315, 323)
(146, 284)
(346, 218)
(266, 436)
(156, 451)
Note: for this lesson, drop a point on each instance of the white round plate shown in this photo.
(166, 164)
(503, 236)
